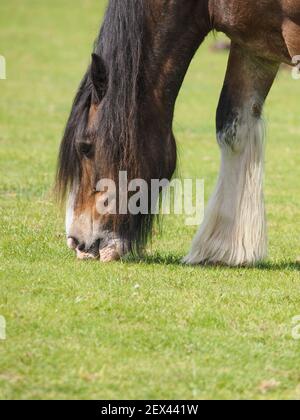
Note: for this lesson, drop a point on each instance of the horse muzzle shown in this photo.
(106, 249)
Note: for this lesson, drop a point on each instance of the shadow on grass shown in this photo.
(157, 259)
(176, 261)
(279, 266)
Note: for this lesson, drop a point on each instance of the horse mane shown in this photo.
(120, 45)
(69, 165)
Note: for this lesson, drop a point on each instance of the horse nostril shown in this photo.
(72, 242)
(94, 249)
(81, 247)
(97, 244)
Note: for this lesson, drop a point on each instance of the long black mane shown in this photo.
(120, 45)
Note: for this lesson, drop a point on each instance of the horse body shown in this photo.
(123, 113)
(263, 27)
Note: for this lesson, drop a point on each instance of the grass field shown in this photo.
(149, 329)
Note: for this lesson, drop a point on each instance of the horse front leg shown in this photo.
(234, 229)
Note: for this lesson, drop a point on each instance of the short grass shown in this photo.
(149, 329)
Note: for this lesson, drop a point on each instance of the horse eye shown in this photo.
(86, 149)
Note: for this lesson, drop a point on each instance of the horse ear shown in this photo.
(99, 76)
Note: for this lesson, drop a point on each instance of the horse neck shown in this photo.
(170, 51)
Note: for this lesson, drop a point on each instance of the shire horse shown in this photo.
(121, 120)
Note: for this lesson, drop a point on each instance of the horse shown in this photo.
(122, 116)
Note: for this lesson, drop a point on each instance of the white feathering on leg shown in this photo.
(234, 229)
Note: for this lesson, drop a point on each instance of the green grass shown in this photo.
(149, 329)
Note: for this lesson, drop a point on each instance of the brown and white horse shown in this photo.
(122, 117)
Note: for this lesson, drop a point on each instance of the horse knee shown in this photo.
(234, 121)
